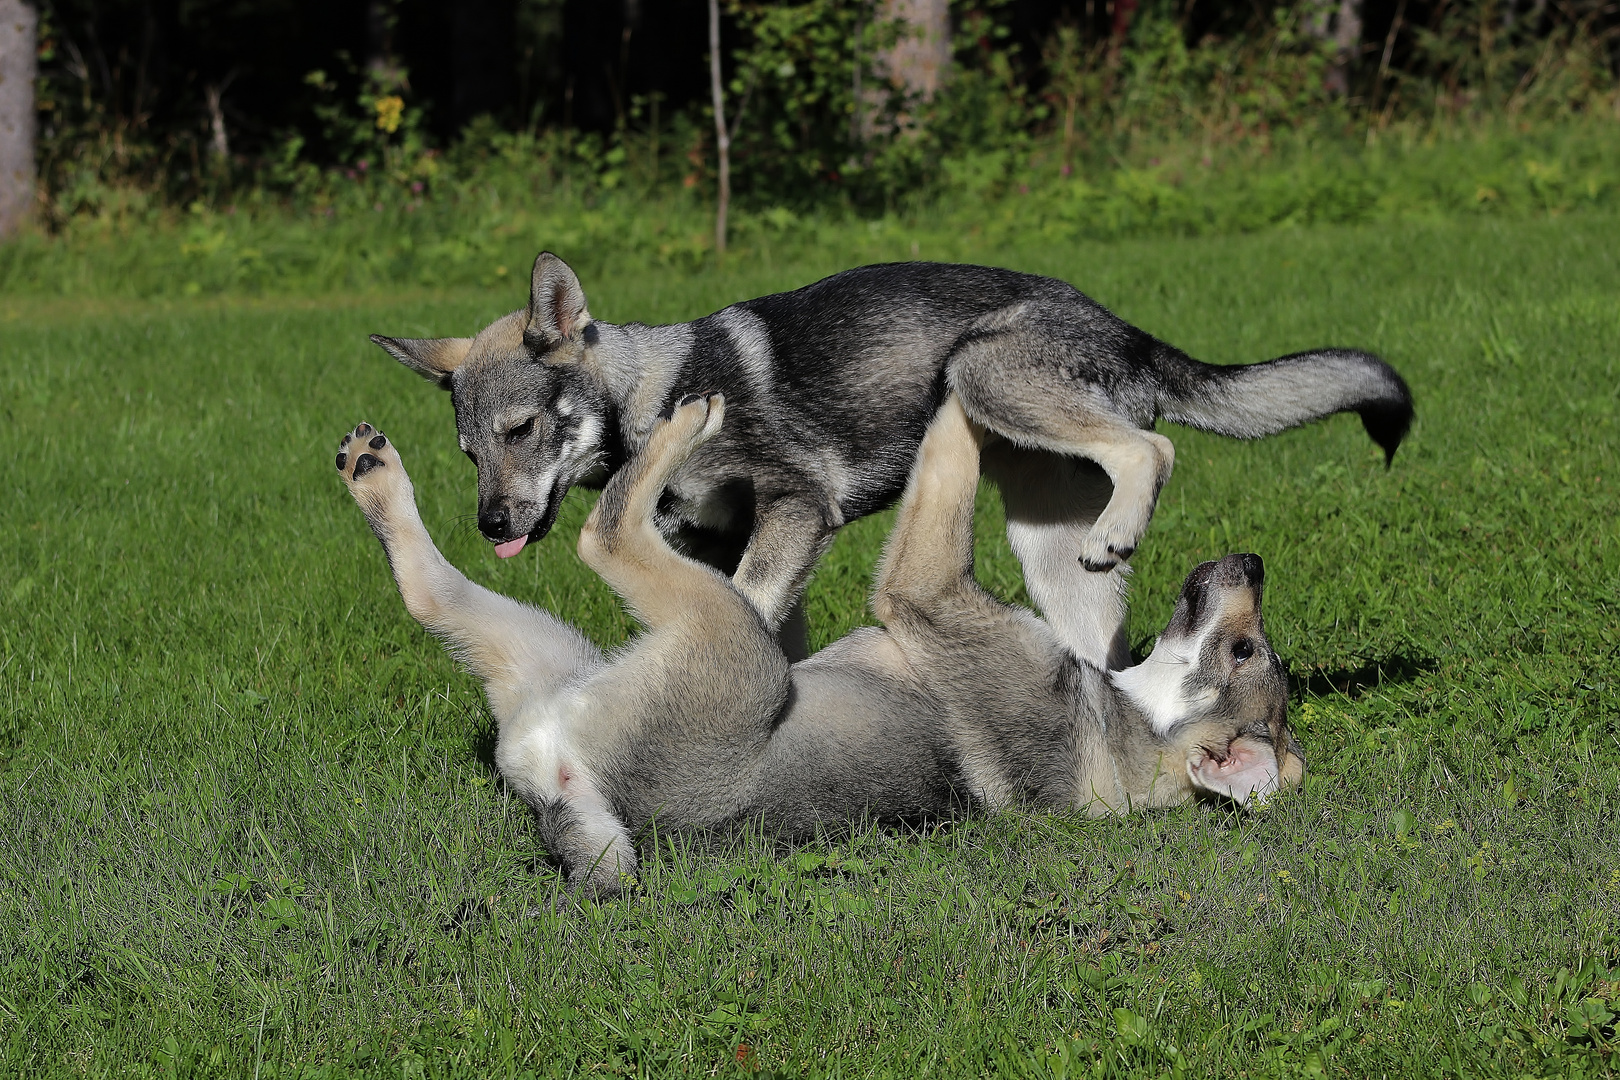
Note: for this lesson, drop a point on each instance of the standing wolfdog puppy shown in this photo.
(960, 701)
(830, 389)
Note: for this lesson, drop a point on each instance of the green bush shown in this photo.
(478, 214)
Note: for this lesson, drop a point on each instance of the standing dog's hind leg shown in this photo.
(1051, 502)
(1008, 382)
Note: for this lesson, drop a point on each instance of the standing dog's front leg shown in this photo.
(790, 534)
(516, 650)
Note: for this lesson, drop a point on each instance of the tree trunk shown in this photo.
(220, 143)
(921, 59)
(1347, 38)
(722, 138)
(381, 20)
(18, 53)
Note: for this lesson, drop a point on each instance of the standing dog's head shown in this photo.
(531, 409)
(1215, 691)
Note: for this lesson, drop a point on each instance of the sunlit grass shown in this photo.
(249, 826)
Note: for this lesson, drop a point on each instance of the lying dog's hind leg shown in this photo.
(686, 710)
(515, 649)
(620, 541)
(929, 557)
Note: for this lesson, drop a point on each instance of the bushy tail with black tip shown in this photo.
(1248, 401)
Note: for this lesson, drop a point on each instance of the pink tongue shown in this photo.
(511, 547)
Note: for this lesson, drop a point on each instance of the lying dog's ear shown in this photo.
(556, 310)
(431, 358)
(1249, 770)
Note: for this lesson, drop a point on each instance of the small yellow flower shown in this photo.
(390, 110)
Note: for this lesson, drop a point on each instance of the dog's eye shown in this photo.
(522, 431)
(1242, 649)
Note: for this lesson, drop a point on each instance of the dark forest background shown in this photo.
(201, 101)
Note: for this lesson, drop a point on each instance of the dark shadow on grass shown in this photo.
(483, 743)
(1391, 670)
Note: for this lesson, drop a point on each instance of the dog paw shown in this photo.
(695, 418)
(369, 464)
(1102, 551)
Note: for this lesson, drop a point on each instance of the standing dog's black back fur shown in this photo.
(830, 389)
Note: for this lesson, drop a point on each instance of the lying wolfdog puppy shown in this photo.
(830, 389)
(960, 701)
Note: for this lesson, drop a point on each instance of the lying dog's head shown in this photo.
(531, 409)
(1214, 690)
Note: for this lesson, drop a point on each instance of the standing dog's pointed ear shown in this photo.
(431, 358)
(556, 310)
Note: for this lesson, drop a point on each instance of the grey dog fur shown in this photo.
(959, 701)
(829, 389)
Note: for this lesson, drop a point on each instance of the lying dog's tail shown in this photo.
(1248, 401)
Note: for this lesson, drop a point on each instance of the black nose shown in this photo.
(1254, 570)
(493, 521)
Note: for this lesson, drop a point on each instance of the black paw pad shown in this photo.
(1123, 553)
(689, 398)
(347, 439)
(365, 465)
(363, 430)
(378, 441)
(343, 459)
(1097, 568)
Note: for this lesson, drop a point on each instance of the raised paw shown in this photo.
(693, 420)
(1101, 551)
(370, 466)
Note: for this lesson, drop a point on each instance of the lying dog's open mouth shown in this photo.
(508, 548)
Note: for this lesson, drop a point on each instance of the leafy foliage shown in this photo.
(821, 122)
(478, 214)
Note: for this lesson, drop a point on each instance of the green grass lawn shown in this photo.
(249, 825)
